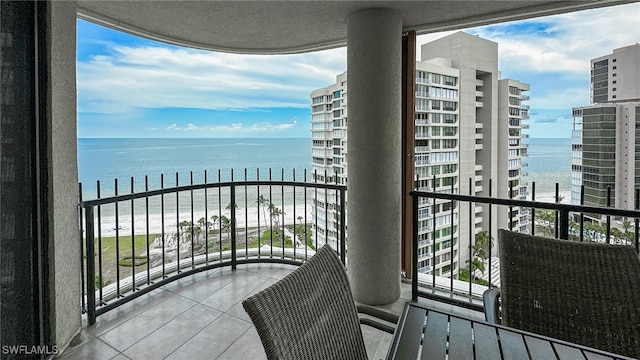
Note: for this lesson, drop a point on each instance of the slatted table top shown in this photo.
(426, 334)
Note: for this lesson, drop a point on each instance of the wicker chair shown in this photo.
(585, 293)
(310, 313)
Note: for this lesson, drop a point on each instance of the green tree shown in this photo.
(547, 221)
(230, 205)
(203, 224)
(225, 224)
(185, 229)
(628, 235)
(214, 220)
(263, 203)
(275, 213)
(479, 253)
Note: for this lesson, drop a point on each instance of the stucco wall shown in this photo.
(63, 174)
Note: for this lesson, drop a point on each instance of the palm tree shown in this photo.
(275, 214)
(479, 253)
(225, 224)
(548, 219)
(230, 205)
(626, 225)
(185, 229)
(480, 248)
(262, 203)
(214, 220)
(476, 264)
(204, 224)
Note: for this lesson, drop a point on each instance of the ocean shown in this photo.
(107, 159)
(549, 161)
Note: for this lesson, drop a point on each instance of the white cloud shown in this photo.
(164, 76)
(564, 43)
(236, 127)
(553, 53)
(561, 98)
(156, 77)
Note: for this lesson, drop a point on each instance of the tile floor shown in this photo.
(200, 317)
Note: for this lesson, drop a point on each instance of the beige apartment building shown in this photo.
(469, 128)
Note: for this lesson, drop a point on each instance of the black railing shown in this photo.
(558, 220)
(182, 230)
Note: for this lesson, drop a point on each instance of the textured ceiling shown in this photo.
(270, 27)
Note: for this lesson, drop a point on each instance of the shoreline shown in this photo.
(245, 218)
(551, 197)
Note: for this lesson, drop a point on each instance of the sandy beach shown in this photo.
(244, 218)
(551, 197)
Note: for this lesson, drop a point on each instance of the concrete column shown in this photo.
(374, 63)
(63, 174)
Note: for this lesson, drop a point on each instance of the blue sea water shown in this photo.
(549, 163)
(107, 159)
(104, 160)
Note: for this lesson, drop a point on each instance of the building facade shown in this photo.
(466, 117)
(605, 144)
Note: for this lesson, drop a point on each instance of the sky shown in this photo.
(133, 87)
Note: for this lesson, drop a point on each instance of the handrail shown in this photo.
(173, 190)
(144, 281)
(562, 223)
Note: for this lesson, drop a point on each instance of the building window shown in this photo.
(614, 67)
(450, 80)
(449, 105)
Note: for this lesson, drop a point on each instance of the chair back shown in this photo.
(582, 292)
(310, 313)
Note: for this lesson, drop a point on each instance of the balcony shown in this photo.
(45, 190)
(175, 307)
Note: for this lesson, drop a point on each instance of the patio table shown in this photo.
(426, 334)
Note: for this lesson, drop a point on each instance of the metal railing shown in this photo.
(557, 220)
(134, 243)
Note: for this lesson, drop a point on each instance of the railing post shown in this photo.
(80, 229)
(91, 268)
(233, 228)
(414, 249)
(343, 242)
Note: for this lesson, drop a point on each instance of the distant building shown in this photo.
(605, 137)
(468, 125)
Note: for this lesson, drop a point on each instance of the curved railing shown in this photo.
(138, 242)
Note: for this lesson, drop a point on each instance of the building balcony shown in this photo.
(173, 306)
(141, 311)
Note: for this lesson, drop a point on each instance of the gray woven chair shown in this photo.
(585, 293)
(310, 313)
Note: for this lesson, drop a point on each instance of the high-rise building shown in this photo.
(468, 129)
(605, 136)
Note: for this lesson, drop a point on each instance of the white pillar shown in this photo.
(374, 62)
(63, 175)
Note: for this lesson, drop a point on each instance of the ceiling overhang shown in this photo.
(280, 27)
